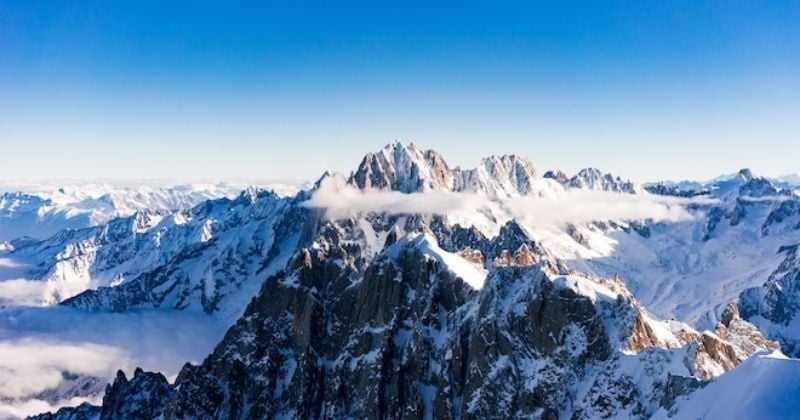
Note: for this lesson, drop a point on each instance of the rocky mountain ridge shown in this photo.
(407, 169)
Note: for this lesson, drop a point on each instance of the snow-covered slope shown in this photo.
(766, 387)
(691, 269)
(211, 258)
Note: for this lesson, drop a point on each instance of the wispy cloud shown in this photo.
(572, 207)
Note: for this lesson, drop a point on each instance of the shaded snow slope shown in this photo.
(764, 387)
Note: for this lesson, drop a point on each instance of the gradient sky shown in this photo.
(649, 90)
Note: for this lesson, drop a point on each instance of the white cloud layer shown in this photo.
(572, 207)
(22, 292)
(38, 344)
(30, 365)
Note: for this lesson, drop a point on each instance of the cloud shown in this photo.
(36, 406)
(571, 207)
(348, 201)
(584, 206)
(38, 344)
(29, 365)
(22, 292)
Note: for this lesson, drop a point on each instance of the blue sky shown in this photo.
(649, 90)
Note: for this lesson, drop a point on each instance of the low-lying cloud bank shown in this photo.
(572, 207)
(31, 365)
(39, 345)
(22, 292)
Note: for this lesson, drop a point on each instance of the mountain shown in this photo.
(197, 259)
(790, 179)
(423, 343)
(447, 292)
(406, 335)
(40, 210)
(775, 305)
(408, 169)
(691, 269)
(595, 180)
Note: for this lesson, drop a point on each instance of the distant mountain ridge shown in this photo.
(40, 211)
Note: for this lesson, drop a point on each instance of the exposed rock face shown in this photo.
(142, 397)
(712, 353)
(403, 168)
(472, 255)
(785, 217)
(325, 340)
(675, 190)
(744, 336)
(557, 176)
(521, 257)
(774, 306)
(499, 176)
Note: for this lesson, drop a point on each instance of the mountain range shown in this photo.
(412, 289)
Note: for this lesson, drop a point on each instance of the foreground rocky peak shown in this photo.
(399, 332)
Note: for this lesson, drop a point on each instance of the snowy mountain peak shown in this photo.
(498, 176)
(557, 176)
(253, 193)
(745, 174)
(595, 179)
(408, 168)
(404, 168)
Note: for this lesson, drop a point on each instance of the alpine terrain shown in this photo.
(409, 288)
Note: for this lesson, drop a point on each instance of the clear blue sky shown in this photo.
(649, 89)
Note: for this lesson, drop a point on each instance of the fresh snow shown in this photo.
(586, 287)
(765, 387)
(473, 274)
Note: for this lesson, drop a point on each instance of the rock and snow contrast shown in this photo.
(413, 289)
